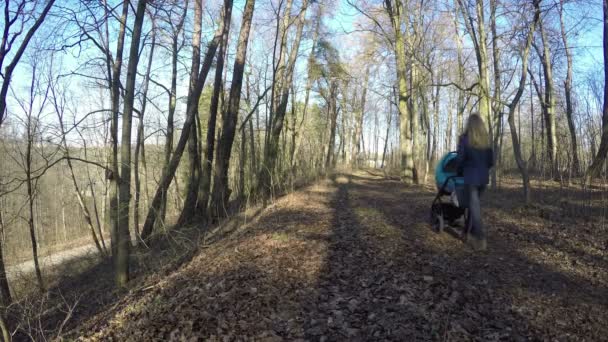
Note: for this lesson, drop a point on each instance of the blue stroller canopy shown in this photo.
(448, 167)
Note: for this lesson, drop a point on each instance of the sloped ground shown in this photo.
(353, 258)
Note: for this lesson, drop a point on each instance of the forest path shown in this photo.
(353, 258)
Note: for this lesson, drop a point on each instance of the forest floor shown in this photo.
(354, 258)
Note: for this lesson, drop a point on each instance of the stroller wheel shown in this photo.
(438, 223)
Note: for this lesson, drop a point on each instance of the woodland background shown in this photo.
(120, 120)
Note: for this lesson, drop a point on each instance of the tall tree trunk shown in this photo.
(113, 176)
(521, 163)
(359, 116)
(576, 167)
(213, 110)
(31, 197)
(169, 172)
(398, 20)
(309, 81)
(333, 112)
(388, 130)
(600, 158)
(189, 211)
(221, 192)
(294, 137)
(460, 103)
(5, 293)
(139, 147)
(497, 103)
(532, 131)
(121, 262)
(171, 114)
(549, 101)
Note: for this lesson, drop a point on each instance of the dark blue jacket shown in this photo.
(474, 164)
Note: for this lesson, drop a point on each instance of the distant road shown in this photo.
(52, 260)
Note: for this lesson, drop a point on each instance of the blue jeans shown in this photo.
(474, 225)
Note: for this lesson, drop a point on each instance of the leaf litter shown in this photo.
(352, 259)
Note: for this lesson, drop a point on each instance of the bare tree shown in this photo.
(13, 29)
(121, 260)
(521, 163)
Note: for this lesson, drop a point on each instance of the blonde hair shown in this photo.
(477, 132)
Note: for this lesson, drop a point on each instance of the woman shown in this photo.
(475, 158)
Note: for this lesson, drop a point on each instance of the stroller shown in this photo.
(444, 213)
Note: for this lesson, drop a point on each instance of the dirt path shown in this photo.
(354, 259)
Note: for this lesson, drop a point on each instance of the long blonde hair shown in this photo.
(477, 132)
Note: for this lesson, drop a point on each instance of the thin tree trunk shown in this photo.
(81, 201)
(139, 147)
(170, 123)
(333, 111)
(7, 72)
(388, 130)
(521, 163)
(5, 293)
(122, 258)
(113, 175)
(31, 196)
(460, 104)
(497, 105)
(309, 81)
(360, 115)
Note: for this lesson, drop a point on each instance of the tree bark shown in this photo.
(121, 262)
(113, 175)
(394, 10)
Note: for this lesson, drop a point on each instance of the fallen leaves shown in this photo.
(351, 261)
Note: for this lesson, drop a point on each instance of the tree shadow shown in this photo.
(507, 271)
